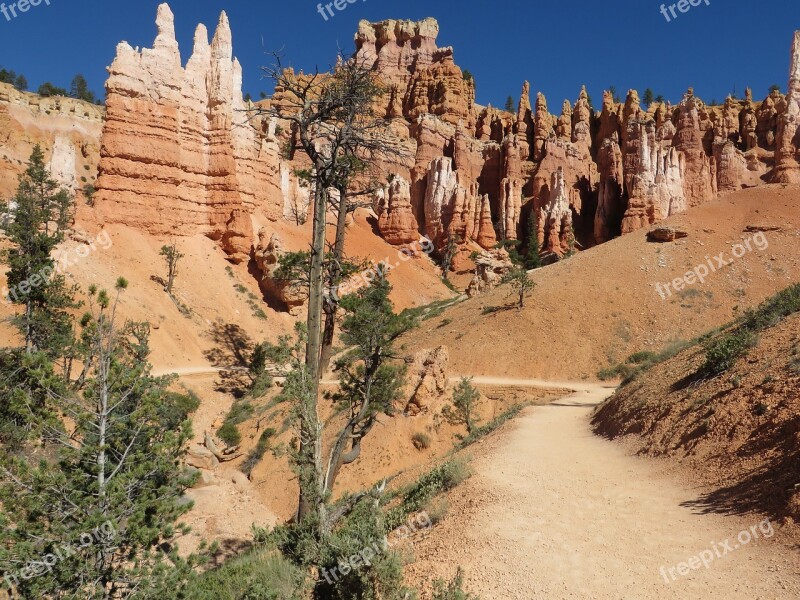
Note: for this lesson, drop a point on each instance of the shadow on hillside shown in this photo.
(227, 549)
(691, 380)
(502, 308)
(231, 353)
(768, 488)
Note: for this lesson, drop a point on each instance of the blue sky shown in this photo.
(557, 46)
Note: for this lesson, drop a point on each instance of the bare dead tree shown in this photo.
(333, 122)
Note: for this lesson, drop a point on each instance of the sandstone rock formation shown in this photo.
(654, 178)
(555, 218)
(666, 234)
(267, 256)
(424, 77)
(787, 141)
(396, 220)
(179, 155)
(490, 268)
(67, 130)
(428, 379)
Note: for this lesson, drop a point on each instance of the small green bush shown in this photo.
(639, 362)
(421, 441)
(773, 310)
(453, 590)
(229, 432)
(645, 356)
(723, 352)
(257, 575)
(438, 480)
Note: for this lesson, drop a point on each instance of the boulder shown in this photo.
(666, 234)
(428, 379)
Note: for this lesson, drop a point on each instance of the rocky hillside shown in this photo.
(68, 129)
(738, 427)
(596, 308)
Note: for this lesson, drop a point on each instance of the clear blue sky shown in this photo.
(556, 45)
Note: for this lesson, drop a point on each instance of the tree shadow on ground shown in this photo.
(231, 353)
(227, 549)
(502, 308)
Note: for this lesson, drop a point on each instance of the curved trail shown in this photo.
(555, 512)
(575, 386)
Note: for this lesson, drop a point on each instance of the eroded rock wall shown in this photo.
(179, 154)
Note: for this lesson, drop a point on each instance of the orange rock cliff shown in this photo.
(179, 154)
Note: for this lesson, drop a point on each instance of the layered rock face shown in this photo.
(555, 218)
(428, 379)
(602, 173)
(466, 175)
(787, 155)
(67, 130)
(178, 153)
(396, 220)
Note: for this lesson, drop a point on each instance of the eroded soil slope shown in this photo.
(600, 306)
(739, 433)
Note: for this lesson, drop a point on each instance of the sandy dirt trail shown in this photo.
(555, 512)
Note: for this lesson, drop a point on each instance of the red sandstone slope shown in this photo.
(739, 433)
(600, 306)
(214, 290)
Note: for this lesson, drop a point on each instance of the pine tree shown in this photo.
(510, 105)
(79, 88)
(93, 516)
(521, 284)
(47, 89)
(465, 398)
(648, 97)
(532, 259)
(171, 256)
(38, 218)
(369, 383)
(21, 83)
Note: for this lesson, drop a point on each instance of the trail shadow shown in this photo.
(567, 403)
(232, 350)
